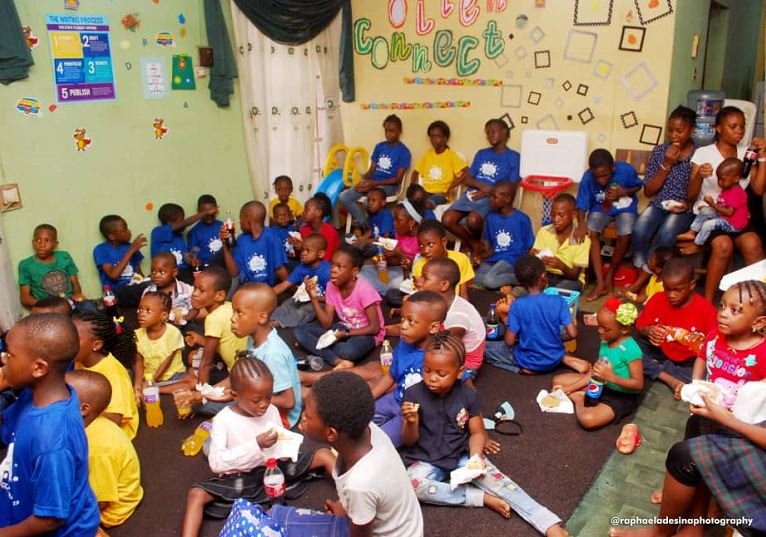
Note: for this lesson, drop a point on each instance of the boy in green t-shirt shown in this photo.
(48, 272)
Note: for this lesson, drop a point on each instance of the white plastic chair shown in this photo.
(394, 198)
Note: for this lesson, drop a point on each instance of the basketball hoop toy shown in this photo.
(547, 186)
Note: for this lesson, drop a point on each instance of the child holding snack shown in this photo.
(619, 365)
(443, 430)
(357, 305)
(432, 239)
(440, 167)
(239, 438)
(379, 223)
(118, 260)
(282, 224)
(640, 293)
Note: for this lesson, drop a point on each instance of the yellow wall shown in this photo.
(585, 56)
(125, 167)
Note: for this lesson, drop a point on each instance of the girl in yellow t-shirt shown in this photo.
(159, 346)
(107, 347)
(440, 167)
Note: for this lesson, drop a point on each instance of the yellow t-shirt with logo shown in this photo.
(154, 352)
(437, 171)
(463, 263)
(573, 255)
(218, 325)
(113, 471)
(123, 401)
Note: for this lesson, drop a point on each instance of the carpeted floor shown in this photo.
(553, 460)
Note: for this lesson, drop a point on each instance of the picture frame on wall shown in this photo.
(587, 13)
(652, 10)
(632, 38)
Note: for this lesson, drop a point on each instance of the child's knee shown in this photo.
(197, 496)
(590, 421)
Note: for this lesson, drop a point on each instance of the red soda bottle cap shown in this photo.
(271, 463)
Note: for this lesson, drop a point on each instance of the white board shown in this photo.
(556, 153)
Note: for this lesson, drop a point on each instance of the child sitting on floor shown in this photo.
(44, 475)
(672, 325)
(729, 213)
(534, 339)
(164, 276)
(282, 223)
(107, 347)
(283, 187)
(656, 262)
(113, 467)
(258, 255)
(619, 366)
(565, 258)
(440, 275)
(443, 430)
(253, 305)
(158, 347)
(317, 209)
(422, 316)
(357, 305)
(49, 272)
(203, 239)
(118, 260)
(507, 235)
(292, 313)
(240, 435)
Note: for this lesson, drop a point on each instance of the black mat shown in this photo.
(554, 460)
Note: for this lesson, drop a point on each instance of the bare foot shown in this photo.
(497, 504)
(556, 531)
(656, 497)
(343, 364)
(578, 364)
(690, 249)
(597, 293)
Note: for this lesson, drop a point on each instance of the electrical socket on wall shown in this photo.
(10, 198)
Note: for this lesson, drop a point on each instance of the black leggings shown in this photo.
(680, 465)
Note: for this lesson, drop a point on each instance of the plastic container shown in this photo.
(493, 323)
(381, 265)
(706, 103)
(573, 301)
(154, 416)
(193, 443)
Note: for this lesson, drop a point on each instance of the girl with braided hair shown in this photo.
(108, 347)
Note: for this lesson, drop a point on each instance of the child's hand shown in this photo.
(671, 155)
(193, 339)
(311, 286)
(295, 243)
(138, 393)
(491, 447)
(554, 263)
(579, 234)
(334, 507)
(679, 207)
(410, 412)
(139, 242)
(267, 439)
(711, 410)
(603, 369)
(706, 170)
(224, 233)
(709, 199)
(657, 335)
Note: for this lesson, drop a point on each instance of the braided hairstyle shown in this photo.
(165, 301)
(446, 341)
(119, 342)
(756, 292)
(247, 369)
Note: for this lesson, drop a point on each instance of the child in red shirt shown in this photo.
(673, 325)
(314, 213)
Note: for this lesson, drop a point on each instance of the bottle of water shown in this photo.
(274, 482)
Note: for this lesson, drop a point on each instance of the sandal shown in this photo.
(629, 439)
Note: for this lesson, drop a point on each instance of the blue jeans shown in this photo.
(352, 349)
(395, 278)
(388, 416)
(598, 221)
(655, 362)
(290, 313)
(708, 221)
(350, 197)
(495, 275)
(658, 224)
(430, 487)
(499, 354)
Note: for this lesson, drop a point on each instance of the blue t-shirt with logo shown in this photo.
(206, 238)
(537, 321)
(509, 236)
(302, 271)
(257, 259)
(381, 224)
(489, 167)
(406, 368)
(106, 254)
(389, 159)
(591, 195)
(164, 239)
(45, 471)
(283, 233)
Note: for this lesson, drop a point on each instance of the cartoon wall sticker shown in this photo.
(82, 142)
(131, 22)
(165, 39)
(29, 106)
(160, 130)
(32, 40)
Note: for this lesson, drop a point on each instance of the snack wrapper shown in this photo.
(210, 392)
(465, 474)
(326, 339)
(301, 295)
(286, 447)
(691, 393)
(386, 243)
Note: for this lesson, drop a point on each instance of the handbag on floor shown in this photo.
(250, 520)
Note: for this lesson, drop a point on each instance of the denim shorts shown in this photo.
(598, 221)
(465, 205)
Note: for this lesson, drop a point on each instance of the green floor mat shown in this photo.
(623, 486)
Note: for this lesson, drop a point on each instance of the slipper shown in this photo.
(629, 439)
(504, 414)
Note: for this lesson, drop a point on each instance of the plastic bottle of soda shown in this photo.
(231, 242)
(110, 303)
(382, 266)
(274, 482)
(154, 416)
(595, 388)
(193, 443)
(749, 158)
(493, 324)
(386, 357)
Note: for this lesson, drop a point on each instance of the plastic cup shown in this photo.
(182, 399)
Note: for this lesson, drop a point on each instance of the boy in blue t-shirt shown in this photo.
(507, 234)
(118, 260)
(534, 340)
(422, 316)
(168, 237)
(380, 222)
(258, 255)
(282, 223)
(298, 311)
(44, 488)
(607, 192)
(203, 241)
(388, 164)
